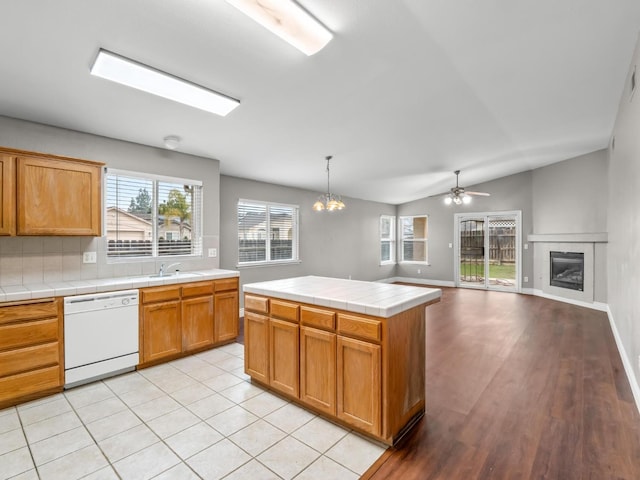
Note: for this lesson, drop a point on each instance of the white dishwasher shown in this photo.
(100, 335)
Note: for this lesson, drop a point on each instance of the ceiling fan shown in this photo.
(459, 195)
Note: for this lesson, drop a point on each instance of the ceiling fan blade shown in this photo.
(479, 194)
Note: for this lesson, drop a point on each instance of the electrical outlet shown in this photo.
(89, 257)
(451, 245)
(419, 271)
(213, 252)
(526, 279)
(526, 246)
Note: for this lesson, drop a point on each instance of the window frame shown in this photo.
(391, 240)
(402, 239)
(197, 213)
(295, 231)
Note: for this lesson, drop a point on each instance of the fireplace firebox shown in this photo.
(567, 270)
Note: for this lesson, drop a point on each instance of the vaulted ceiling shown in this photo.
(406, 92)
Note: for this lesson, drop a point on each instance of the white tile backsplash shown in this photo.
(48, 260)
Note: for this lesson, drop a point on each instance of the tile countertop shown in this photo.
(11, 293)
(371, 298)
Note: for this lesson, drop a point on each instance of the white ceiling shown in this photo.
(406, 92)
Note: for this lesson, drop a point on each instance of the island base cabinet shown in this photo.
(256, 346)
(283, 356)
(359, 384)
(318, 369)
(162, 330)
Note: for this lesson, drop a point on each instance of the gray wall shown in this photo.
(338, 244)
(571, 196)
(509, 193)
(623, 262)
(50, 259)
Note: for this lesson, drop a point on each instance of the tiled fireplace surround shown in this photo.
(37, 260)
(579, 243)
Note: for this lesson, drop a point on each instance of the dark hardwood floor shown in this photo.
(519, 387)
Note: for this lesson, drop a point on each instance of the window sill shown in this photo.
(414, 263)
(383, 264)
(267, 264)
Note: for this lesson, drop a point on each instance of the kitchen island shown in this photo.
(349, 350)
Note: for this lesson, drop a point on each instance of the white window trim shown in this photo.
(155, 178)
(400, 242)
(295, 248)
(392, 241)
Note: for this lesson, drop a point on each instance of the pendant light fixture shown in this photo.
(328, 201)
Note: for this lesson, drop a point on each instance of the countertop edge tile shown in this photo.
(12, 293)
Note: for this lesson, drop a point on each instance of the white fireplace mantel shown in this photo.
(602, 237)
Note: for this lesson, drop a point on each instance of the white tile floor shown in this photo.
(194, 418)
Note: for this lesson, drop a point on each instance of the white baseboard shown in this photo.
(602, 307)
(628, 368)
(419, 281)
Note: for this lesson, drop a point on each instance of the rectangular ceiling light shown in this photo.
(289, 21)
(136, 75)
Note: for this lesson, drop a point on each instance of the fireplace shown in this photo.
(567, 270)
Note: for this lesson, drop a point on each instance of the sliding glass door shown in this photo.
(488, 250)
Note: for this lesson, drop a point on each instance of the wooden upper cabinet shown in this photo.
(7, 196)
(57, 197)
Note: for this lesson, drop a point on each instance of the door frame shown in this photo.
(457, 217)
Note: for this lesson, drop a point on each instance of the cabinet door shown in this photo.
(359, 387)
(58, 197)
(318, 369)
(197, 322)
(162, 336)
(283, 356)
(256, 346)
(226, 316)
(7, 196)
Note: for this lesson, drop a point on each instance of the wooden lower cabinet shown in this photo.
(362, 371)
(226, 316)
(31, 353)
(197, 323)
(162, 330)
(256, 346)
(358, 384)
(181, 319)
(283, 356)
(318, 369)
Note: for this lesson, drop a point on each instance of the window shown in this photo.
(387, 239)
(255, 219)
(151, 216)
(414, 239)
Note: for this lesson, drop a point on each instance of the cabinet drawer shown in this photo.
(29, 358)
(197, 289)
(361, 327)
(257, 304)
(227, 284)
(284, 310)
(160, 294)
(16, 386)
(316, 317)
(28, 333)
(28, 311)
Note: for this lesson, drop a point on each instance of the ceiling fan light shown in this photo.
(457, 200)
(333, 205)
(466, 199)
(447, 200)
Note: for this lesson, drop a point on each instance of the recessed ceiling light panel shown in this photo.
(289, 21)
(136, 75)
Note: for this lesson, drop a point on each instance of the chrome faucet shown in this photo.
(163, 270)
